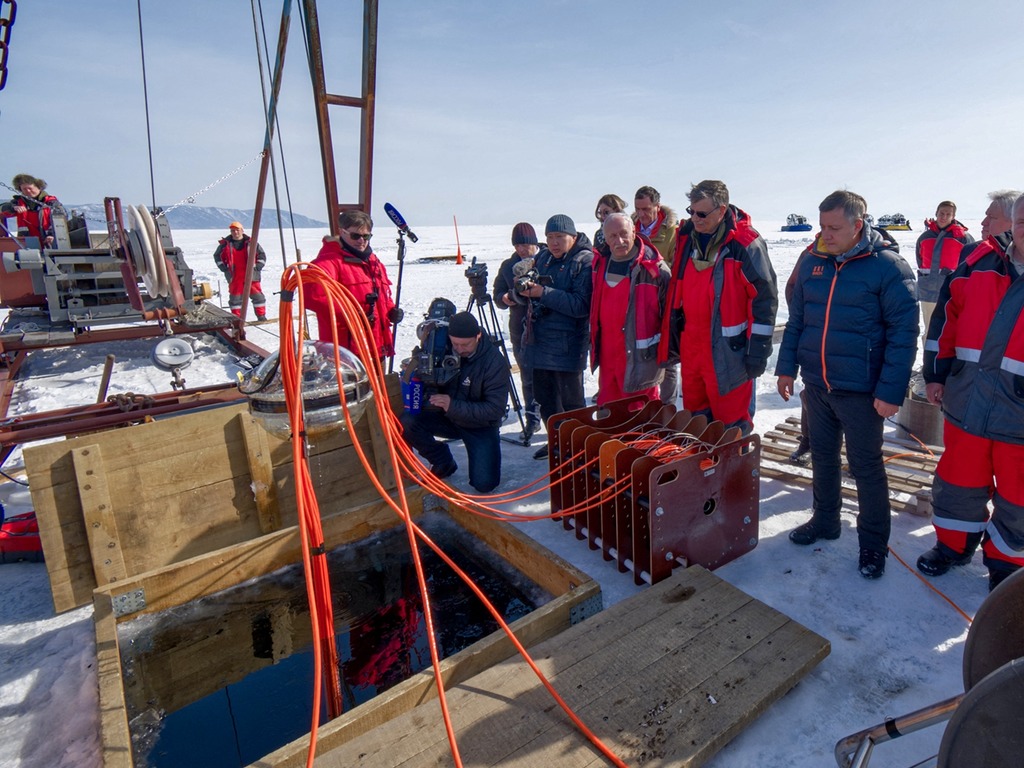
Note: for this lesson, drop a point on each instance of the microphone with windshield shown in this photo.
(399, 222)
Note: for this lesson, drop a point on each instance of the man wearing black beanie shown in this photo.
(525, 245)
(470, 408)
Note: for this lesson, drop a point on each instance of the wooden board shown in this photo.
(665, 678)
(174, 489)
(908, 467)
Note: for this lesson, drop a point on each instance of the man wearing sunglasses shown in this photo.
(720, 312)
(350, 260)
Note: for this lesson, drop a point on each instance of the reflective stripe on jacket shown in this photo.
(648, 287)
(745, 298)
(975, 345)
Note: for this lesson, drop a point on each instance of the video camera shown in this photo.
(525, 275)
(433, 361)
(476, 274)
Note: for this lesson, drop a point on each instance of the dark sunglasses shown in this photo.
(700, 214)
(358, 236)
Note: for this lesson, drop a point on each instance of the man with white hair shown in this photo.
(630, 282)
(974, 369)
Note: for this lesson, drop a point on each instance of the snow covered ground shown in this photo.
(896, 645)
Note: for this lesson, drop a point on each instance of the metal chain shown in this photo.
(192, 198)
(8, 10)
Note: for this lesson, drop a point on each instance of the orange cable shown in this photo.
(364, 344)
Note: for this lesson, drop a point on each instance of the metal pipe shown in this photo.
(855, 750)
(108, 365)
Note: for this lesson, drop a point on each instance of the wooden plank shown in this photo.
(666, 678)
(115, 735)
(261, 470)
(185, 486)
(100, 523)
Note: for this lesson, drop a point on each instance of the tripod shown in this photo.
(488, 318)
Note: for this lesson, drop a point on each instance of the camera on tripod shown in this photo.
(476, 274)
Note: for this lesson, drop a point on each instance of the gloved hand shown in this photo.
(396, 315)
(256, 273)
(755, 365)
(227, 274)
(759, 349)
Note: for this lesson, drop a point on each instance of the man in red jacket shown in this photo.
(626, 307)
(230, 257)
(350, 260)
(938, 253)
(720, 314)
(974, 369)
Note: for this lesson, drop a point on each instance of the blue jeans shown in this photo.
(830, 416)
(483, 446)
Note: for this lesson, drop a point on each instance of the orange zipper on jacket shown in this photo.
(828, 312)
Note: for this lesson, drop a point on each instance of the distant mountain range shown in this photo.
(199, 217)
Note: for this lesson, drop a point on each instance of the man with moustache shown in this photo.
(626, 307)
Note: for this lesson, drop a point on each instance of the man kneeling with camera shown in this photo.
(470, 408)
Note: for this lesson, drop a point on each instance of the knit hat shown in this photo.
(234, 224)
(463, 326)
(523, 233)
(560, 223)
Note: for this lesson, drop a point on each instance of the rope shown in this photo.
(280, 145)
(145, 95)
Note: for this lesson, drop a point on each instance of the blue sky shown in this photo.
(498, 112)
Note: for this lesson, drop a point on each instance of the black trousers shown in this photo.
(557, 391)
(830, 417)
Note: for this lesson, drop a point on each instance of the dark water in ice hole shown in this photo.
(381, 641)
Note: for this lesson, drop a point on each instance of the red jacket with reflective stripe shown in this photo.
(745, 299)
(37, 219)
(648, 284)
(938, 254)
(975, 345)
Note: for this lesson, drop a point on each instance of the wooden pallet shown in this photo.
(909, 467)
(665, 678)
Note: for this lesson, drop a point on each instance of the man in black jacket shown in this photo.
(470, 408)
(557, 336)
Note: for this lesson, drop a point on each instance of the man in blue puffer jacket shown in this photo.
(852, 333)
(557, 335)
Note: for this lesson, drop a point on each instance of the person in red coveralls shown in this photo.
(230, 257)
(658, 224)
(720, 314)
(938, 254)
(350, 260)
(974, 369)
(32, 209)
(630, 284)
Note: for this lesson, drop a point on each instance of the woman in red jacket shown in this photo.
(350, 260)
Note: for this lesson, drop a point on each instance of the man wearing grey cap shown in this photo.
(557, 335)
